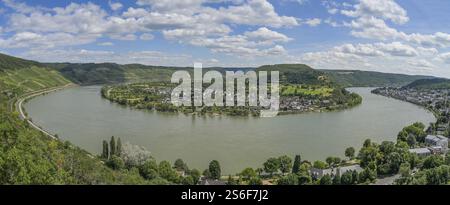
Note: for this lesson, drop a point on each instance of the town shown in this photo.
(436, 100)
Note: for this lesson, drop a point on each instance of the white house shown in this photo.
(437, 140)
(422, 152)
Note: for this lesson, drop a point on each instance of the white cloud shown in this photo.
(379, 49)
(35, 40)
(126, 37)
(313, 22)
(300, 2)
(115, 5)
(267, 36)
(385, 9)
(444, 57)
(99, 56)
(179, 20)
(106, 44)
(421, 63)
(146, 37)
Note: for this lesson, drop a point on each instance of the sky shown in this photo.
(395, 36)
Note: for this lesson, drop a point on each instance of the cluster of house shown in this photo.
(296, 103)
(426, 97)
(436, 144)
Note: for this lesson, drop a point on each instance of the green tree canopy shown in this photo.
(214, 169)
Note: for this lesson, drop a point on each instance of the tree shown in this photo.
(259, 171)
(271, 165)
(405, 170)
(255, 181)
(367, 143)
(189, 180)
(326, 180)
(369, 174)
(115, 163)
(285, 164)
(119, 147)
(320, 165)
(368, 155)
(337, 179)
(355, 177)
(180, 165)
(330, 161)
(297, 163)
(248, 173)
(394, 160)
(105, 151)
(165, 171)
(195, 175)
(432, 162)
(112, 146)
(206, 173)
(290, 179)
(347, 178)
(411, 140)
(134, 155)
(447, 158)
(304, 179)
(149, 170)
(350, 153)
(214, 169)
(333, 161)
(438, 176)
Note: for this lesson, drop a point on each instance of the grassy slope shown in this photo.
(353, 78)
(29, 157)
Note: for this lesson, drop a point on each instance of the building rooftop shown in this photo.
(436, 138)
(420, 151)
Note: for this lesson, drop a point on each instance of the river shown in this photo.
(81, 116)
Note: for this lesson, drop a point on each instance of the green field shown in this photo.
(302, 90)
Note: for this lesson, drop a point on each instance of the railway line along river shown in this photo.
(80, 115)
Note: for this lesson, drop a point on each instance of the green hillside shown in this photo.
(355, 78)
(13, 63)
(437, 83)
(297, 73)
(27, 156)
(108, 73)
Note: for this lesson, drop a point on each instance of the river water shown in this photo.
(81, 116)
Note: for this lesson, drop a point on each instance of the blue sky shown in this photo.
(398, 36)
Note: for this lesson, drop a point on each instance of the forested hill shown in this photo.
(297, 74)
(13, 63)
(436, 83)
(356, 78)
(106, 73)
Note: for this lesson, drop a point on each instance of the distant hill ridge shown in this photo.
(436, 83)
(357, 78)
(109, 73)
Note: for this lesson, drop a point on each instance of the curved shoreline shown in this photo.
(18, 104)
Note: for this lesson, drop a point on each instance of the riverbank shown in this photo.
(18, 106)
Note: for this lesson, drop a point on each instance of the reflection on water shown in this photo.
(81, 116)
